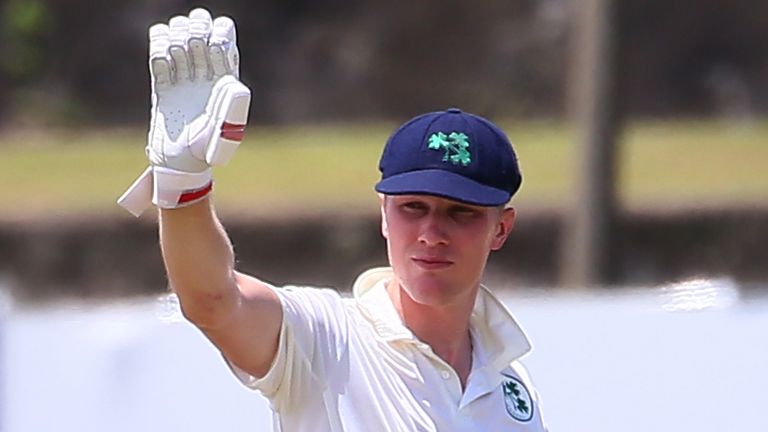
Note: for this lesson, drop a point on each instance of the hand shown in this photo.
(199, 110)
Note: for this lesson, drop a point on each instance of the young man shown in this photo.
(421, 345)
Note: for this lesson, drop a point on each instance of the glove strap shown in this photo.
(166, 188)
(174, 189)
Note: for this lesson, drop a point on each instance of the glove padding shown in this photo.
(199, 110)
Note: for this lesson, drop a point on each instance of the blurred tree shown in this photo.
(344, 59)
(24, 25)
(694, 56)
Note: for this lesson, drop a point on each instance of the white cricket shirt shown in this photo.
(349, 364)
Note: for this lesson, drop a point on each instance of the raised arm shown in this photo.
(238, 313)
(199, 112)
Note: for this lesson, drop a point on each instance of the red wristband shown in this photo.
(194, 195)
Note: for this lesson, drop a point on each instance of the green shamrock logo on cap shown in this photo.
(455, 144)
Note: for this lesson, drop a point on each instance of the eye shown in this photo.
(464, 212)
(413, 206)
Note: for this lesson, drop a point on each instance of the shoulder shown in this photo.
(520, 392)
(516, 371)
(308, 298)
(319, 307)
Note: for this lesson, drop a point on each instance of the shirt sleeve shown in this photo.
(522, 372)
(313, 340)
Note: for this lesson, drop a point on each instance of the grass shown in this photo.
(334, 166)
(695, 162)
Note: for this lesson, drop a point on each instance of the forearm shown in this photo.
(199, 261)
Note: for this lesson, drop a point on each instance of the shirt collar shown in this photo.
(500, 336)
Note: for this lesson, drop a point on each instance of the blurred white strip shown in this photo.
(699, 294)
(168, 309)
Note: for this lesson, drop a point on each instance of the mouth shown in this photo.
(432, 263)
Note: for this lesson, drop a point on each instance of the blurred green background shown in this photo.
(331, 79)
(333, 167)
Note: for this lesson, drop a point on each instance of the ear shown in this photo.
(384, 228)
(503, 228)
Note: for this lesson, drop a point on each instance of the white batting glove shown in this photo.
(199, 110)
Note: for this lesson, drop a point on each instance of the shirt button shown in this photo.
(445, 374)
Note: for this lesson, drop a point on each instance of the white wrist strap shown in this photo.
(165, 188)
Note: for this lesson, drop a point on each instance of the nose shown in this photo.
(432, 232)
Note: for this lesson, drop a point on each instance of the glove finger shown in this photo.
(224, 36)
(159, 40)
(232, 113)
(179, 30)
(218, 61)
(179, 34)
(239, 97)
(159, 66)
(200, 24)
(160, 69)
(198, 58)
(223, 30)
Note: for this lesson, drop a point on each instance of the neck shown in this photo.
(444, 328)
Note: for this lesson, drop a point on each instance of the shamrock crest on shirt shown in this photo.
(517, 399)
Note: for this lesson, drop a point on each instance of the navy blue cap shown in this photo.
(450, 154)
